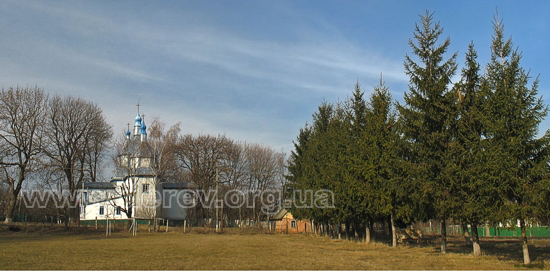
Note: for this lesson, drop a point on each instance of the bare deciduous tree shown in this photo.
(250, 168)
(200, 157)
(77, 134)
(265, 172)
(22, 112)
(163, 144)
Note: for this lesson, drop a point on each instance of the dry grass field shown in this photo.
(89, 249)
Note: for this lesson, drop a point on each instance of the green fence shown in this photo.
(543, 231)
(514, 232)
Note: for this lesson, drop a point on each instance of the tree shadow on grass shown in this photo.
(503, 249)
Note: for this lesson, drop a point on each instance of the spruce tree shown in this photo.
(389, 192)
(514, 110)
(358, 169)
(469, 171)
(296, 168)
(425, 117)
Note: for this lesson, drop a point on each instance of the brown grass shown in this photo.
(235, 250)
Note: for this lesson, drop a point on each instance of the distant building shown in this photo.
(135, 189)
(284, 222)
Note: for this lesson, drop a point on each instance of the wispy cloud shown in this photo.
(185, 67)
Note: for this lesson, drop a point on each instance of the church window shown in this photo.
(145, 188)
(101, 210)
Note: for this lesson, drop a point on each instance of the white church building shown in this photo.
(135, 190)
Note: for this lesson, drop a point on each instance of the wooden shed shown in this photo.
(284, 222)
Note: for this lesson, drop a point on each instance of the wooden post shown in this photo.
(167, 221)
(184, 225)
(96, 222)
(287, 226)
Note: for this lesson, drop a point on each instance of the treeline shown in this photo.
(467, 151)
(58, 143)
(242, 173)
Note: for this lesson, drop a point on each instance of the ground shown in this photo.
(91, 249)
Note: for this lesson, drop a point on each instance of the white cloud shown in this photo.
(192, 71)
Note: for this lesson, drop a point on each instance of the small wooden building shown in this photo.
(284, 222)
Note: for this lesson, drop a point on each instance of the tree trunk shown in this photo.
(387, 227)
(443, 236)
(393, 232)
(367, 234)
(370, 226)
(11, 210)
(67, 214)
(526, 258)
(475, 239)
(465, 233)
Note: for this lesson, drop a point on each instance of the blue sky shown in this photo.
(252, 70)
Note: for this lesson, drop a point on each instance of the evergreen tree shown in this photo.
(514, 112)
(389, 191)
(360, 170)
(426, 116)
(475, 195)
(296, 164)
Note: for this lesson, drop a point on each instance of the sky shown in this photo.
(255, 70)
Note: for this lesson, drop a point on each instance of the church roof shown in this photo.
(178, 185)
(138, 119)
(99, 185)
(135, 147)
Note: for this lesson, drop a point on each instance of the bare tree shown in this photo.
(250, 168)
(163, 144)
(98, 143)
(264, 167)
(21, 118)
(77, 134)
(200, 157)
(265, 172)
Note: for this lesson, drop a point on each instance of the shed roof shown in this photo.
(279, 215)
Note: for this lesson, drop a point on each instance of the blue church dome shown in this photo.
(143, 127)
(138, 119)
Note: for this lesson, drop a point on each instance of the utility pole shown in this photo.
(217, 197)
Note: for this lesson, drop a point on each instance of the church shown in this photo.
(135, 189)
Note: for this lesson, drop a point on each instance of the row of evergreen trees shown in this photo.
(467, 150)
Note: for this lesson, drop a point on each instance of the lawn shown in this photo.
(177, 250)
